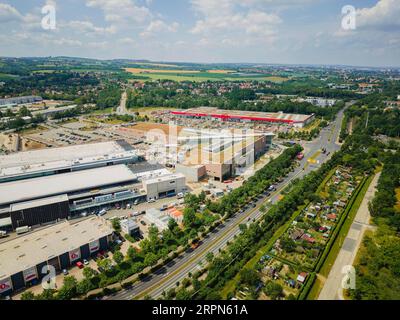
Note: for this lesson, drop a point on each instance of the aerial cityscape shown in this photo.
(200, 150)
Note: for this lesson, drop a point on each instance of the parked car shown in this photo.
(151, 201)
(80, 265)
(65, 272)
(85, 262)
(143, 223)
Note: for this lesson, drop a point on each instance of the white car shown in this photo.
(85, 262)
(151, 201)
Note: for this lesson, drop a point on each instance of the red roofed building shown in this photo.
(308, 238)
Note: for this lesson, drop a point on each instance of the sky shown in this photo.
(215, 31)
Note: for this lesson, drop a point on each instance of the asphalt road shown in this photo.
(190, 261)
(122, 110)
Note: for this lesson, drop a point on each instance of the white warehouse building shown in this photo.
(164, 186)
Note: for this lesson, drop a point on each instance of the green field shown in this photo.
(176, 75)
(6, 76)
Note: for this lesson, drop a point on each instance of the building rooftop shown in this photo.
(220, 153)
(167, 177)
(245, 115)
(43, 187)
(30, 162)
(76, 152)
(34, 248)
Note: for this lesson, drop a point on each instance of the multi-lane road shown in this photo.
(168, 276)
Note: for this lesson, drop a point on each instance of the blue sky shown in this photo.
(260, 31)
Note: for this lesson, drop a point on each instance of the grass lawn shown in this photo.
(6, 76)
(103, 111)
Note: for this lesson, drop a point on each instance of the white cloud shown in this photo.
(158, 26)
(233, 21)
(88, 28)
(127, 40)
(121, 11)
(384, 15)
(67, 42)
(9, 13)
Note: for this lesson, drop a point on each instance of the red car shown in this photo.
(80, 265)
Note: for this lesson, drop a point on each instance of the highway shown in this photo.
(191, 260)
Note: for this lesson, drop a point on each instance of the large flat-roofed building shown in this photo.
(51, 198)
(164, 186)
(19, 100)
(45, 162)
(23, 260)
(297, 120)
(224, 156)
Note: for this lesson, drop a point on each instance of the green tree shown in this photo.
(249, 277)
(28, 295)
(209, 257)
(68, 290)
(132, 253)
(118, 257)
(106, 264)
(273, 290)
(116, 224)
(89, 273)
(189, 217)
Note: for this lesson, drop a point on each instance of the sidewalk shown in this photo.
(332, 289)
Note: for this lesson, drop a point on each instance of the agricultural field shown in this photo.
(199, 76)
(6, 76)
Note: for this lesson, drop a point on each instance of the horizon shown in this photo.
(138, 60)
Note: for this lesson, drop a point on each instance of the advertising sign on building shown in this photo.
(94, 246)
(5, 285)
(30, 274)
(74, 255)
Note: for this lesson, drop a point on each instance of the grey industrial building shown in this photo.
(20, 100)
(46, 162)
(52, 198)
(24, 260)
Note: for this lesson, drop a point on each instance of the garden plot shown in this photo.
(304, 241)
